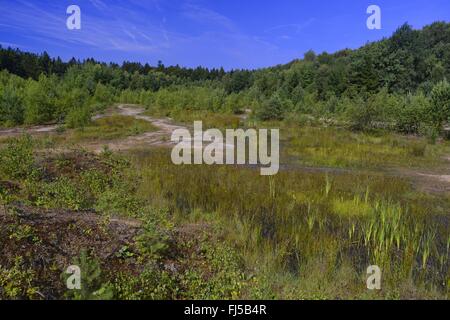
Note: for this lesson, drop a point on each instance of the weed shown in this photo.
(93, 284)
(17, 282)
(17, 159)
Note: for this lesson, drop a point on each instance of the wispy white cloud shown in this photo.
(207, 16)
(99, 4)
(136, 28)
(288, 31)
(99, 32)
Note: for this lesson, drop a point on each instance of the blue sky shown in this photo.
(211, 33)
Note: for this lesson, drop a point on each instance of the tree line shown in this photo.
(398, 82)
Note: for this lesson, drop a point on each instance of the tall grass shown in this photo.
(334, 147)
(289, 223)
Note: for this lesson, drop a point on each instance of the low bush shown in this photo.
(17, 161)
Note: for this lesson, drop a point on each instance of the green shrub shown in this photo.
(271, 109)
(41, 100)
(62, 193)
(430, 132)
(94, 181)
(222, 279)
(412, 113)
(17, 160)
(440, 104)
(17, 282)
(360, 114)
(11, 106)
(151, 284)
(118, 200)
(78, 118)
(153, 241)
(21, 232)
(94, 286)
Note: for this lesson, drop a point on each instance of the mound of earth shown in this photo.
(48, 242)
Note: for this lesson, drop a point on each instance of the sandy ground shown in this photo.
(432, 183)
(32, 130)
(161, 137)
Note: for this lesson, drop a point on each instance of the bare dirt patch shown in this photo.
(430, 182)
(54, 238)
(433, 183)
(161, 137)
(13, 132)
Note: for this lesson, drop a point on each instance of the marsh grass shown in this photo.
(335, 147)
(299, 222)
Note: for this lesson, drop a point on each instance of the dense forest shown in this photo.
(398, 83)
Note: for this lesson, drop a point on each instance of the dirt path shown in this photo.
(432, 183)
(161, 137)
(432, 180)
(31, 130)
